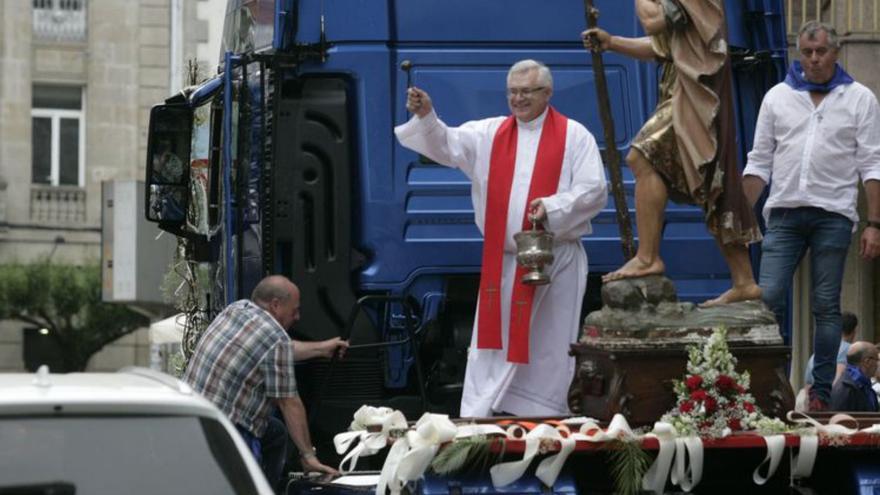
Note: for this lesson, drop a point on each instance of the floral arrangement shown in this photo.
(713, 399)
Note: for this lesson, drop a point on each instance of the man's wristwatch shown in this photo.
(307, 454)
(873, 223)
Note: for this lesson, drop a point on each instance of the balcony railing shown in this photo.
(60, 20)
(58, 205)
(849, 17)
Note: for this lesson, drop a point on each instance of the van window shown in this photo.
(132, 455)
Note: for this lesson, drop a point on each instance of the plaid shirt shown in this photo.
(242, 361)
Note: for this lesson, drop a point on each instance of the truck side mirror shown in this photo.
(168, 163)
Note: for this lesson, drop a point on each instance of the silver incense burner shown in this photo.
(534, 250)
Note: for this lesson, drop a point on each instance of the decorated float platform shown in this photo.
(714, 439)
(438, 456)
(667, 398)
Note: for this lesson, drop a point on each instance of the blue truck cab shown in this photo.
(290, 166)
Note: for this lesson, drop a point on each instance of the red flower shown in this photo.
(740, 389)
(724, 383)
(693, 382)
(698, 395)
(734, 424)
(749, 407)
(686, 406)
(710, 404)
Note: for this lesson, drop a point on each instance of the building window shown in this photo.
(58, 137)
(60, 20)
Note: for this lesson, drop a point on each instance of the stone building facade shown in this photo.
(77, 80)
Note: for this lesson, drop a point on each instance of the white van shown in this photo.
(133, 432)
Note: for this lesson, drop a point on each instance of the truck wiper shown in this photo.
(49, 488)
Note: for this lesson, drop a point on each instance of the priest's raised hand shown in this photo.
(418, 101)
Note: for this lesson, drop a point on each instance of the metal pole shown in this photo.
(229, 69)
(406, 66)
(611, 153)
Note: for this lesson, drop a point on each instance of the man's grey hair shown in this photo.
(860, 352)
(524, 66)
(270, 288)
(812, 28)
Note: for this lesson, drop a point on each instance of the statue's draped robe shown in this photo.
(690, 139)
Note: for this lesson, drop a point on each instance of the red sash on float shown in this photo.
(544, 182)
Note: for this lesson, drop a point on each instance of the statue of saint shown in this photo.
(686, 150)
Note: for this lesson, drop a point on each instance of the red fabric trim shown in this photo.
(544, 182)
(501, 165)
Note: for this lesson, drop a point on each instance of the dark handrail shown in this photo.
(412, 334)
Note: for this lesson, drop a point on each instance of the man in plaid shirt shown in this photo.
(244, 364)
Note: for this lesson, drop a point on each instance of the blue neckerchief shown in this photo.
(795, 79)
(863, 383)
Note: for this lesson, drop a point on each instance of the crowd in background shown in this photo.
(856, 384)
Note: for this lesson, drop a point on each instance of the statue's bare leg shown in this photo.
(744, 286)
(651, 196)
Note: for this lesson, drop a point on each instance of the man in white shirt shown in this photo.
(817, 134)
(533, 163)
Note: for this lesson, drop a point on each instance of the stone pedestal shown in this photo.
(632, 349)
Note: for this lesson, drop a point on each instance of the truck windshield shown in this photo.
(249, 26)
(122, 454)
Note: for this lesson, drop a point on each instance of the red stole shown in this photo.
(544, 182)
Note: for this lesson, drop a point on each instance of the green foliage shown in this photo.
(65, 299)
(629, 463)
(463, 452)
(177, 365)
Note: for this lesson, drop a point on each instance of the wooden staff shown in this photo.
(611, 153)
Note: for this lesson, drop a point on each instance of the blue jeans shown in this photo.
(270, 450)
(790, 233)
(274, 443)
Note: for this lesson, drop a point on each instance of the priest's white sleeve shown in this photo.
(570, 210)
(450, 146)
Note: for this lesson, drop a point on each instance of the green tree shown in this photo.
(65, 299)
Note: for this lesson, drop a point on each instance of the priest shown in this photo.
(534, 164)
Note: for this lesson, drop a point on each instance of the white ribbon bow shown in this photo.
(686, 452)
(618, 429)
(654, 479)
(775, 448)
(806, 457)
(548, 470)
(370, 442)
(411, 454)
(688, 470)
